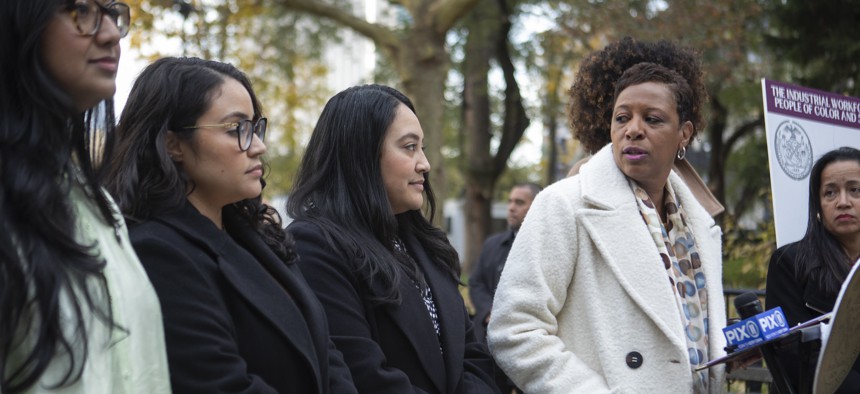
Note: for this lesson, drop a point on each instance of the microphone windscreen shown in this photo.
(747, 305)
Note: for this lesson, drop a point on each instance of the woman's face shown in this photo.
(403, 162)
(646, 133)
(840, 200)
(83, 66)
(221, 172)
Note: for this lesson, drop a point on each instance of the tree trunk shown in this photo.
(716, 168)
(480, 180)
(423, 67)
(489, 25)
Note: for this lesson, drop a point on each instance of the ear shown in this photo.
(686, 133)
(174, 146)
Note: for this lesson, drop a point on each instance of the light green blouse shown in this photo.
(132, 358)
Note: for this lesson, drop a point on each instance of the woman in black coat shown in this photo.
(386, 277)
(804, 277)
(238, 315)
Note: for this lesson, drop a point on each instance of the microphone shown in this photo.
(753, 330)
(749, 308)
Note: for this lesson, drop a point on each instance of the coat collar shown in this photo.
(509, 236)
(254, 282)
(610, 211)
(448, 302)
(419, 331)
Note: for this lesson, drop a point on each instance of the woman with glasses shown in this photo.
(187, 174)
(77, 313)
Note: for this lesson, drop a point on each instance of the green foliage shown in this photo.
(748, 178)
(747, 248)
(746, 254)
(743, 99)
(820, 37)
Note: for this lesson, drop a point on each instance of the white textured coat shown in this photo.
(584, 286)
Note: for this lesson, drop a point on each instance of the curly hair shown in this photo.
(592, 94)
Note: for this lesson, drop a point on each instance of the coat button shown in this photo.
(634, 360)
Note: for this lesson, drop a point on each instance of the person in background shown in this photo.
(387, 277)
(804, 277)
(488, 268)
(77, 313)
(614, 282)
(188, 174)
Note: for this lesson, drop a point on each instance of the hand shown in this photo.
(743, 361)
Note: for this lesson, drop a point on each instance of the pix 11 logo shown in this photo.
(757, 329)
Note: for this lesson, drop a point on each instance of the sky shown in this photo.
(131, 64)
(129, 67)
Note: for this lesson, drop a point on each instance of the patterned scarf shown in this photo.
(423, 288)
(681, 260)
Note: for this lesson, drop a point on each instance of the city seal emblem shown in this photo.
(793, 150)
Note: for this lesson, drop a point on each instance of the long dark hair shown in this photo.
(821, 258)
(339, 187)
(41, 260)
(170, 94)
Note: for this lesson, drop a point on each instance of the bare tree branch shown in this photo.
(516, 120)
(742, 131)
(381, 36)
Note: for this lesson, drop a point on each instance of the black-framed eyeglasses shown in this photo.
(88, 15)
(245, 130)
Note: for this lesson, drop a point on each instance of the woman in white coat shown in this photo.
(607, 286)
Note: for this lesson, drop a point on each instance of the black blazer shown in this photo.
(394, 348)
(800, 301)
(237, 319)
(485, 278)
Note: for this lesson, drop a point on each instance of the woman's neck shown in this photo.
(852, 249)
(656, 194)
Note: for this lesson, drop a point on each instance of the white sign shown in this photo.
(801, 125)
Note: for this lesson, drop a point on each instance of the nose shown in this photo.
(423, 165)
(108, 33)
(258, 147)
(634, 129)
(844, 200)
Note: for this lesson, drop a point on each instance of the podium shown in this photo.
(840, 342)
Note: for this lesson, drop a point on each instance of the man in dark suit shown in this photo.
(488, 268)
